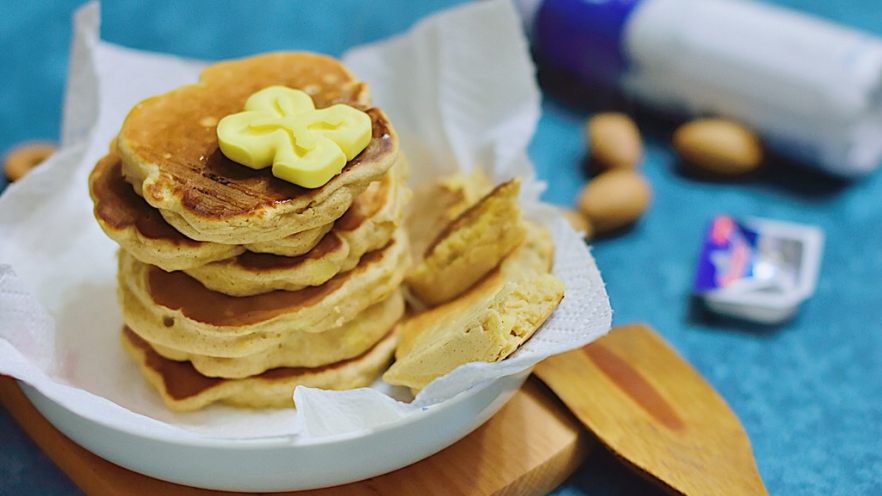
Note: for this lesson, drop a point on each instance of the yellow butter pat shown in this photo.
(281, 128)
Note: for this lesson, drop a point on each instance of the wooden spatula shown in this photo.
(650, 407)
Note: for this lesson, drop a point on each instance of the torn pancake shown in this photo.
(184, 389)
(170, 153)
(487, 323)
(174, 310)
(368, 225)
(535, 255)
(140, 229)
(303, 349)
(469, 247)
(438, 202)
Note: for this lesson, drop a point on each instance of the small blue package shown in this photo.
(757, 269)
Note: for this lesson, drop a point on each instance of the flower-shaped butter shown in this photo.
(281, 128)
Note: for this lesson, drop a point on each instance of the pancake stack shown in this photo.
(236, 286)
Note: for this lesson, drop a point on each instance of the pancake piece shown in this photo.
(169, 150)
(142, 231)
(368, 225)
(176, 311)
(303, 349)
(535, 255)
(470, 246)
(184, 389)
(437, 203)
(487, 323)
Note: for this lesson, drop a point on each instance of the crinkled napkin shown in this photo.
(459, 88)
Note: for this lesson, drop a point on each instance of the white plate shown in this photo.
(284, 463)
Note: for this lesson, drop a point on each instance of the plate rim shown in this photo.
(275, 441)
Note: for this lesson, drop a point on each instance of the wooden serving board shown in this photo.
(529, 447)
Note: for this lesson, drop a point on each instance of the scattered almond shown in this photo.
(614, 199)
(21, 159)
(719, 147)
(578, 221)
(614, 140)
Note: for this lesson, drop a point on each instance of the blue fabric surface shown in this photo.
(809, 392)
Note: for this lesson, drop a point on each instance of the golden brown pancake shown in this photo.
(368, 225)
(169, 150)
(139, 228)
(184, 389)
(469, 247)
(303, 349)
(176, 311)
(486, 323)
(436, 203)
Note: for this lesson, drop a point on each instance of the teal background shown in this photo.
(809, 392)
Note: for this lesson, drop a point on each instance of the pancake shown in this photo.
(139, 228)
(176, 311)
(169, 150)
(182, 388)
(469, 247)
(142, 231)
(368, 225)
(363, 210)
(303, 349)
(487, 323)
(435, 204)
(535, 255)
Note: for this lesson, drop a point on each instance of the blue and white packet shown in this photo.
(757, 269)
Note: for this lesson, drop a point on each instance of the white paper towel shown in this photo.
(460, 89)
